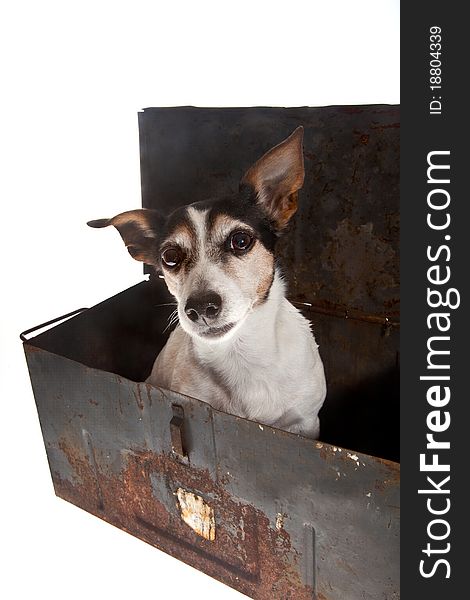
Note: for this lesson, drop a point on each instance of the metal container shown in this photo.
(270, 513)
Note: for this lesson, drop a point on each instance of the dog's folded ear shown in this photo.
(276, 178)
(139, 230)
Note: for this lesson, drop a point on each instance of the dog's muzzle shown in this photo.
(214, 332)
(204, 311)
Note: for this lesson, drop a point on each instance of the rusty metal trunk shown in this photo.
(272, 514)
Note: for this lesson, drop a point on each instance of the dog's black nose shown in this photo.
(206, 306)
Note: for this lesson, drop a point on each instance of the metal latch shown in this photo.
(177, 432)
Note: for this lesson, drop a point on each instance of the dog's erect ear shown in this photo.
(276, 178)
(139, 230)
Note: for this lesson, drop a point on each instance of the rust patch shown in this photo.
(351, 110)
(138, 398)
(355, 256)
(388, 126)
(393, 477)
(29, 349)
(248, 553)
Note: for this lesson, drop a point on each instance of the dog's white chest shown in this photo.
(274, 377)
(271, 372)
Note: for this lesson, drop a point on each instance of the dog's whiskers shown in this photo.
(166, 304)
(172, 319)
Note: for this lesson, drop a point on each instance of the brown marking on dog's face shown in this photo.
(262, 291)
(183, 236)
(211, 263)
(253, 272)
(183, 239)
(221, 225)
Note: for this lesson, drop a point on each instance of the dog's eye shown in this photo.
(171, 257)
(240, 242)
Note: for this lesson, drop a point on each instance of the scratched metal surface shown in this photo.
(326, 529)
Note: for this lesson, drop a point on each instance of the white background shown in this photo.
(73, 77)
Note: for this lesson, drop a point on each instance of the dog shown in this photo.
(240, 345)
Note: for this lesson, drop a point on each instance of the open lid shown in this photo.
(341, 253)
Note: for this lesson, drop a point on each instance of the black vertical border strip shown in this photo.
(422, 133)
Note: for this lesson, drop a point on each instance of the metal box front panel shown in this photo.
(291, 515)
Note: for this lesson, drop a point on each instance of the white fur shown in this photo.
(268, 370)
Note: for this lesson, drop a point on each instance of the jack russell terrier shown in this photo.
(240, 345)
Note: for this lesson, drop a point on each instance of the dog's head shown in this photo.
(217, 256)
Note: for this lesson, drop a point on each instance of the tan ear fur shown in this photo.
(276, 178)
(139, 230)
